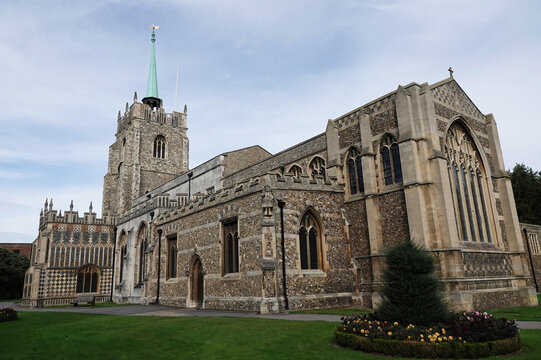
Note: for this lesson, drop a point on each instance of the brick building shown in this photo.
(23, 249)
(306, 227)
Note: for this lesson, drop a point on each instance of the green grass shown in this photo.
(15, 301)
(524, 313)
(44, 335)
(335, 311)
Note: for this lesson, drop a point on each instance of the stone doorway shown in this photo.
(196, 284)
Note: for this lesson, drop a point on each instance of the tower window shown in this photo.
(159, 147)
(390, 156)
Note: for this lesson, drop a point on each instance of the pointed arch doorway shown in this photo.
(196, 283)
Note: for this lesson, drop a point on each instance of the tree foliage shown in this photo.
(527, 189)
(411, 293)
(12, 268)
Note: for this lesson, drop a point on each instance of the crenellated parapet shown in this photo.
(140, 111)
(253, 185)
(49, 215)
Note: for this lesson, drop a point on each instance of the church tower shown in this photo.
(151, 147)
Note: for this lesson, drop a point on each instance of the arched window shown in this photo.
(468, 186)
(231, 247)
(141, 246)
(159, 147)
(88, 279)
(296, 171)
(123, 254)
(390, 156)
(355, 171)
(310, 242)
(172, 256)
(317, 167)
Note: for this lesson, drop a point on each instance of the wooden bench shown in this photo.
(88, 299)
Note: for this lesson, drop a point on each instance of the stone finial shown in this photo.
(41, 213)
(46, 205)
(119, 116)
(59, 212)
(90, 208)
(185, 109)
(126, 107)
(71, 206)
(450, 72)
(135, 96)
(51, 205)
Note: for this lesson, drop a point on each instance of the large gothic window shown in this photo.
(317, 167)
(468, 186)
(88, 279)
(123, 254)
(231, 247)
(310, 242)
(390, 156)
(159, 147)
(355, 171)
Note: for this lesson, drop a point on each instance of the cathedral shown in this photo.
(303, 228)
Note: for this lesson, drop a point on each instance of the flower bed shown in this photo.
(7, 314)
(467, 335)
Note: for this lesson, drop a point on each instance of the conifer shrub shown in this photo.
(411, 293)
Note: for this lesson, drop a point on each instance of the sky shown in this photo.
(251, 72)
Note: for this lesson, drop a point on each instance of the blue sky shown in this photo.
(251, 72)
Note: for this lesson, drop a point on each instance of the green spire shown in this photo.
(152, 85)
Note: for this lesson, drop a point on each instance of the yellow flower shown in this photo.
(362, 330)
(389, 333)
(422, 340)
(409, 337)
(395, 323)
(439, 339)
(459, 338)
(450, 338)
(445, 338)
(443, 331)
(354, 329)
(422, 336)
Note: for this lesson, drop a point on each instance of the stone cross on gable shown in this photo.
(450, 71)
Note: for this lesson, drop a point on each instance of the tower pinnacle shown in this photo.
(151, 98)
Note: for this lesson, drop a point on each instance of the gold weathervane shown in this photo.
(154, 27)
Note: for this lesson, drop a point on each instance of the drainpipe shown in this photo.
(114, 258)
(159, 263)
(530, 256)
(281, 204)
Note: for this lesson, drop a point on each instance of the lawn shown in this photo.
(524, 313)
(99, 305)
(43, 335)
(335, 311)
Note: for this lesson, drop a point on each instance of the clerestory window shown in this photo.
(316, 167)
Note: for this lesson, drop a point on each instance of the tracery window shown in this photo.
(231, 247)
(123, 254)
(355, 171)
(296, 171)
(172, 256)
(317, 167)
(159, 147)
(88, 279)
(142, 244)
(390, 155)
(468, 186)
(310, 242)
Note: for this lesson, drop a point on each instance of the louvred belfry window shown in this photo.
(159, 147)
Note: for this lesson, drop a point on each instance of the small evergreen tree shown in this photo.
(411, 293)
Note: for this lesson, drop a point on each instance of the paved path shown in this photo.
(171, 311)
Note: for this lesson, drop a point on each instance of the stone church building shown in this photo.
(304, 228)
